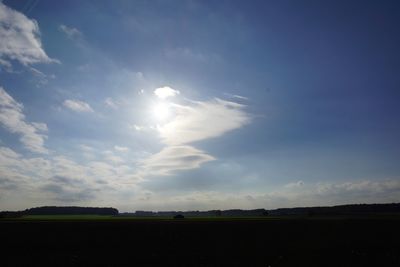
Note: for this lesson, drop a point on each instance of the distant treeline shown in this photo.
(231, 213)
(354, 209)
(54, 210)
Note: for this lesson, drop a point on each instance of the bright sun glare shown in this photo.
(161, 111)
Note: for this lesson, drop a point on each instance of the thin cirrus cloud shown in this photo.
(174, 158)
(203, 120)
(20, 39)
(121, 148)
(77, 105)
(12, 119)
(70, 32)
(111, 103)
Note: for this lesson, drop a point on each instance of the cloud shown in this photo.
(121, 148)
(236, 96)
(67, 189)
(72, 33)
(66, 180)
(40, 126)
(86, 148)
(111, 103)
(20, 38)
(165, 92)
(332, 193)
(189, 55)
(139, 75)
(184, 52)
(195, 121)
(109, 156)
(40, 77)
(137, 127)
(8, 184)
(174, 158)
(240, 97)
(77, 105)
(358, 187)
(12, 118)
(203, 120)
(67, 193)
(57, 179)
(363, 191)
(294, 184)
(4, 64)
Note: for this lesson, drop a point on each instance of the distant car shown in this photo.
(179, 217)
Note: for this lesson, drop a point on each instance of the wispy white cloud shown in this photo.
(121, 148)
(20, 38)
(40, 77)
(240, 97)
(140, 75)
(294, 184)
(136, 127)
(184, 52)
(70, 32)
(109, 156)
(77, 105)
(12, 118)
(5, 65)
(203, 120)
(174, 158)
(86, 148)
(165, 92)
(111, 103)
(190, 55)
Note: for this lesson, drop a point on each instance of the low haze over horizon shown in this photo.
(199, 105)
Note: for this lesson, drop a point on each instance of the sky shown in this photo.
(199, 105)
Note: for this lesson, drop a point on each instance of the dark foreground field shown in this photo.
(282, 242)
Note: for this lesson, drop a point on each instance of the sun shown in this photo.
(161, 111)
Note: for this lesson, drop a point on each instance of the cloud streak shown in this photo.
(203, 120)
(12, 118)
(77, 105)
(70, 32)
(174, 158)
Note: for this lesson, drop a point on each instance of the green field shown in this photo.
(83, 240)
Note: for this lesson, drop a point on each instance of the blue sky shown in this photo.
(182, 105)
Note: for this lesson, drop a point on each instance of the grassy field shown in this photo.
(61, 217)
(212, 241)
